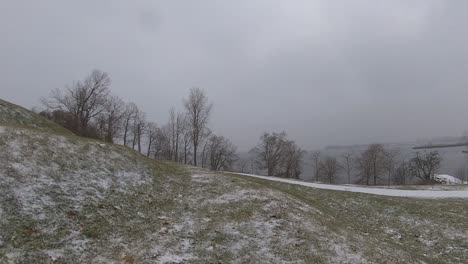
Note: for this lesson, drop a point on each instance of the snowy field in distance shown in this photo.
(377, 191)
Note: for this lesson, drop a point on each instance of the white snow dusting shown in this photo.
(446, 179)
(376, 191)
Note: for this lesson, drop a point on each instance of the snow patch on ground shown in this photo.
(345, 254)
(169, 258)
(446, 179)
(49, 178)
(54, 254)
(237, 196)
(376, 191)
(202, 178)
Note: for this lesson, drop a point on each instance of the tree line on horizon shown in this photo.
(89, 109)
(376, 165)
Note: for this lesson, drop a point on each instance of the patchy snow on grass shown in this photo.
(33, 201)
(376, 191)
(202, 178)
(345, 255)
(237, 196)
(54, 254)
(170, 258)
(70, 200)
(85, 174)
(48, 179)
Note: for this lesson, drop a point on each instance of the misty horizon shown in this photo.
(325, 73)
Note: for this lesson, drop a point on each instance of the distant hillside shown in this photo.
(436, 146)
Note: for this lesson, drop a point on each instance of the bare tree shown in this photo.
(371, 163)
(278, 155)
(316, 158)
(377, 153)
(130, 114)
(152, 135)
(112, 117)
(268, 152)
(348, 159)
(84, 99)
(162, 147)
(186, 139)
(242, 165)
(198, 112)
(139, 129)
(180, 119)
(403, 173)
(364, 167)
(204, 153)
(426, 164)
(291, 162)
(222, 153)
(330, 167)
(390, 163)
(172, 125)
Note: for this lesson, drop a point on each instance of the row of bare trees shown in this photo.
(376, 165)
(88, 108)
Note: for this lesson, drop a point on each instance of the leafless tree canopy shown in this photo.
(348, 159)
(390, 163)
(221, 152)
(130, 114)
(278, 155)
(112, 117)
(403, 173)
(89, 109)
(198, 111)
(426, 164)
(85, 99)
(316, 158)
(152, 132)
(291, 162)
(175, 125)
(370, 164)
(138, 130)
(329, 168)
(268, 152)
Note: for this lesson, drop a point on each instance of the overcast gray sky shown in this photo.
(326, 72)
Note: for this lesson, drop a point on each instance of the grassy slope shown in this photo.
(15, 116)
(385, 228)
(65, 199)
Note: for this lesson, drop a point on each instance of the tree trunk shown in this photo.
(185, 153)
(125, 133)
(195, 148)
(177, 149)
(149, 148)
(109, 131)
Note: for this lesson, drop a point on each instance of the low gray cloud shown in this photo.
(327, 72)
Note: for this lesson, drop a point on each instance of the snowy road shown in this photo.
(376, 191)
